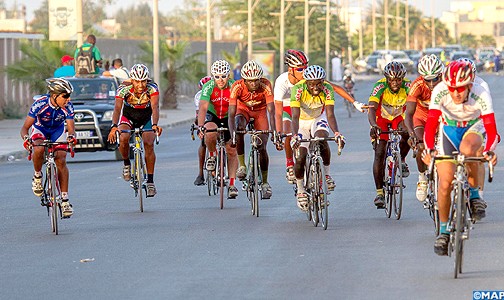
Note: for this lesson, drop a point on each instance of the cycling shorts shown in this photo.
(287, 114)
(307, 128)
(385, 123)
(57, 135)
(260, 116)
(452, 136)
(136, 117)
(221, 123)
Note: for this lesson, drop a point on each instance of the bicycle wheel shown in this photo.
(256, 182)
(312, 198)
(307, 188)
(388, 183)
(139, 178)
(322, 194)
(397, 187)
(53, 198)
(433, 209)
(457, 231)
(222, 174)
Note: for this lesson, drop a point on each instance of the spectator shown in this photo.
(67, 69)
(236, 72)
(95, 55)
(336, 67)
(117, 70)
(496, 62)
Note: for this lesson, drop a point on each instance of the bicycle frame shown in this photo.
(219, 180)
(459, 219)
(253, 180)
(393, 179)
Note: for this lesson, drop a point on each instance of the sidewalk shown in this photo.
(11, 144)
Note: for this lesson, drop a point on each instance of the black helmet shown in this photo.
(59, 86)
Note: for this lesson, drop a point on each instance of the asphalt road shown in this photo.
(184, 247)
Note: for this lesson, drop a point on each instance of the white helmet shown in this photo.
(473, 65)
(430, 66)
(251, 70)
(220, 67)
(314, 72)
(59, 86)
(139, 72)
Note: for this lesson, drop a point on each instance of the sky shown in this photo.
(165, 6)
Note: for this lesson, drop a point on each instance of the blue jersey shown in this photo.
(47, 117)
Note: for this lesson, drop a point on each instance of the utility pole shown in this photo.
(361, 50)
(155, 40)
(282, 35)
(208, 37)
(373, 17)
(249, 37)
(78, 15)
(397, 24)
(385, 18)
(406, 15)
(306, 28)
(433, 25)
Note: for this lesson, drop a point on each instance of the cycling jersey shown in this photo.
(420, 94)
(311, 106)
(283, 88)
(217, 98)
(391, 105)
(49, 118)
(477, 106)
(127, 94)
(251, 101)
(482, 82)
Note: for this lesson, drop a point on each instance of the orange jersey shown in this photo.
(251, 101)
(421, 94)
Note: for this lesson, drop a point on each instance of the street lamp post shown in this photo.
(155, 40)
(208, 37)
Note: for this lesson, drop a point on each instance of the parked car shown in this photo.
(93, 99)
(371, 64)
(436, 51)
(415, 56)
(399, 56)
(461, 54)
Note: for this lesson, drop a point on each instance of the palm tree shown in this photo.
(179, 68)
(39, 63)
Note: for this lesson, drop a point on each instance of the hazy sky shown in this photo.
(165, 6)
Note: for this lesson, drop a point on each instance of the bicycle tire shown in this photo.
(209, 182)
(307, 188)
(255, 174)
(313, 194)
(388, 182)
(432, 198)
(250, 183)
(222, 175)
(397, 187)
(139, 179)
(322, 194)
(53, 194)
(459, 223)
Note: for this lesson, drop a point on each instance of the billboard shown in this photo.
(62, 20)
(266, 59)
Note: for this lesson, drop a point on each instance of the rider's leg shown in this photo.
(421, 191)
(211, 142)
(263, 157)
(150, 156)
(241, 124)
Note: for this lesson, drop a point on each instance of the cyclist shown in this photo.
(467, 116)
(310, 98)
(137, 105)
(200, 179)
(213, 113)
(430, 68)
(46, 118)
(296, 62)
(387, 102)
(252, 97)
(348, 82)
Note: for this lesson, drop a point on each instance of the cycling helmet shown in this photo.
(204, 80)
(220, 67)
(295, 58)
(458, 73)
(347, 73)
(139, 72)
(59, 86)
(430, 66)
(251, 70)
(394, 69)
(314, 72)
(473, 65)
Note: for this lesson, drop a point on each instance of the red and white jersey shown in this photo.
(283, 88)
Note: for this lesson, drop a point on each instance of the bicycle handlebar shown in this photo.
(461, 159)
(136, 130)
(49, 143)
(254, 131)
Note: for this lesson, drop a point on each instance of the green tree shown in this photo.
(189, 22)
(179, 68)
(468, 40)
(136, 22)
(487, 40)
(39, 63)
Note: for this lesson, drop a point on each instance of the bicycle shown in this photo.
(460, 219)
(51, 197)
(138, 169)
(349, 88)
(217, 178)
(393, 178)
(253, 179)
(315, 182)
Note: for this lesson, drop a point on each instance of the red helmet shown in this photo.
(204, 80)
(295, 58)
(458, 73)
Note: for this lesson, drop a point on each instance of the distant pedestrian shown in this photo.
(88, 57)
(336, 72)
(67, 69)
(236, 72)
(496, 60)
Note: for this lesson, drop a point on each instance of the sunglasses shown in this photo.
(220, 76)
(459, 89)
(299, 69)
(432, 80)
(65, 96)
